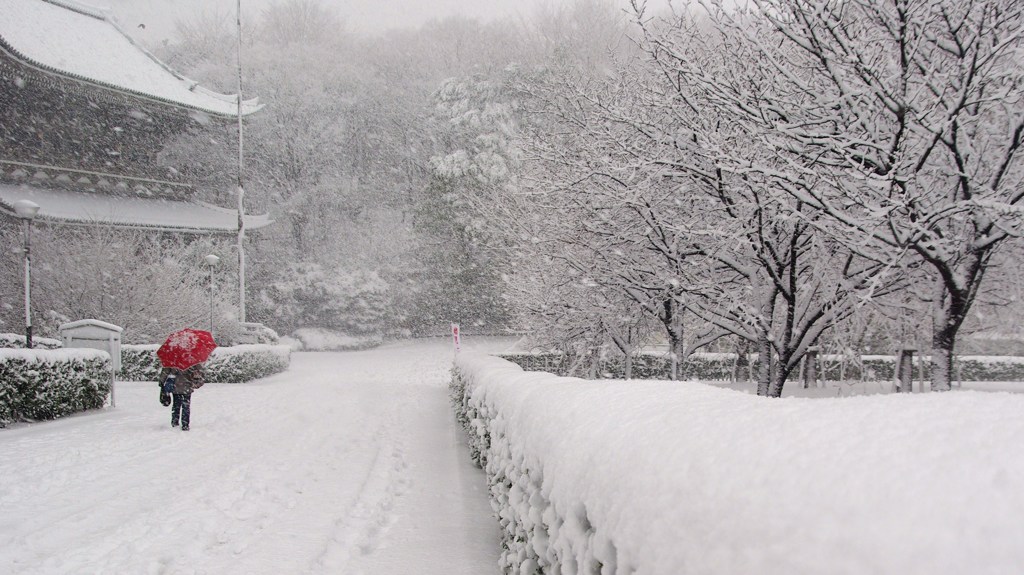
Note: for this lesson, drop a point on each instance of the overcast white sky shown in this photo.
(369, 16)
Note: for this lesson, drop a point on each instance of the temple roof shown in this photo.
(78, 42)
(158, 214)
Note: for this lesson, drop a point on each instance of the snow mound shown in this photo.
(318, 339)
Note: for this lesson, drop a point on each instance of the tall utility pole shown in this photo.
(241, 188)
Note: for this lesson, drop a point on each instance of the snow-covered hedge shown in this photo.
(242, 363)
(235, 364)
(703, 366)
(662, 478)
(16, 341)
(139, 363)
(990, 368)
(719, 366)
(47, 384)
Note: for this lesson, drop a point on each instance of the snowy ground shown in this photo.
(347, 463)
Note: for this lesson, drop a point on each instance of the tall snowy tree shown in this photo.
(647, 171)
(901, 122)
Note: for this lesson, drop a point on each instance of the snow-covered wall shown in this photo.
(613, 477)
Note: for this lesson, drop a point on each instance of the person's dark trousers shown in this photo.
(182, 404)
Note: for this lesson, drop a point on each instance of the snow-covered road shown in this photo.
(347, 463)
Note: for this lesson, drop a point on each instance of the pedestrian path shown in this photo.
(347, 463)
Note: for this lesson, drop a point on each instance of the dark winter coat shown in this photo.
(187, 381)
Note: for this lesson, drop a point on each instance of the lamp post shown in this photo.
(212, 261)
(27, 210)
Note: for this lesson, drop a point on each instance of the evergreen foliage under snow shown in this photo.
(722, 366)
(47, 384)
(235, 364)
(617, 477)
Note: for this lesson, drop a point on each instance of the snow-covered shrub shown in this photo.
(550, 362)
(965, 368)
(869, 368)
(241, 363)
(235, 364)
(703, 366)
(311, 295)
(719, 366)
(614, 477)
(989, 368)
(262, 334)
(319, 339)
(47, 384)
(149, 284)
(530, 525)
(139, 363)
(17, 341)
(473, 417)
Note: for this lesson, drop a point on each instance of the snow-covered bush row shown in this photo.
(16, 341)
(47, 384)
(139, 363)
(235, 364)
(662, 478)
(989, 368)
(645, 365)
(719, 366)
(241, 363)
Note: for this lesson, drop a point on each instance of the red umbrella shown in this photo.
(186, 348)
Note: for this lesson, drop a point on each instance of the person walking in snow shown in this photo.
(185, 382)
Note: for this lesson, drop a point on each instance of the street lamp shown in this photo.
(27, 210)
(212, 261)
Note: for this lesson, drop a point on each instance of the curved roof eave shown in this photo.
(155, 214)
(77, 30)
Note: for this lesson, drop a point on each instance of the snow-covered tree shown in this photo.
(311, 295)
(901, 123)
(148, 284)
(661, 217)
